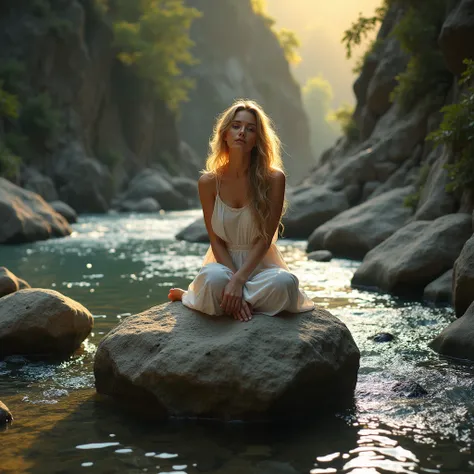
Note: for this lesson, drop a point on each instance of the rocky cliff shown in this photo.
(390, 196)
(84, 124)
(240, 56)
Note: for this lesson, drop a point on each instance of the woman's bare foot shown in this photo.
(175, 294)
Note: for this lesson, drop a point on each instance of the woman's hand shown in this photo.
(232, 296)
(245, 312)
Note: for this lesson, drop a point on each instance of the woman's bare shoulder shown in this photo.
(278, 176)
(207, 181)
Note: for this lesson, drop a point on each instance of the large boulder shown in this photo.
(83, 182)
(463, 278)
(457, 36)
(152, 183)
(311, 207)
(358, 230)
(42, 322)
(26, 217)
(415, 255)
(65, 210)
(40, 184)
(9, 283)
(145, 205)
(171, 360)
(457, 340)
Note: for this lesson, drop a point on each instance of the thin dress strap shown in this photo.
(218, 184)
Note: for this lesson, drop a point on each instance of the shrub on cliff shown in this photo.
(457, 132)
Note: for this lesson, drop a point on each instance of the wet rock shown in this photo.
(409, 389)
(320, 256)
(356, 231)
(143, 205)
(195, 232)
(65, 210)
(5, 414)
(42, 322)
(457, 340)
(9, 283)
(274, 467)
(26, 217)
(440, 291)
(171, 360)
(415, 255)
(310, 208)
(186, 187)
(463, 278)
(383, 337)
(151, 183)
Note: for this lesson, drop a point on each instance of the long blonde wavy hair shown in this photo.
(265, 157)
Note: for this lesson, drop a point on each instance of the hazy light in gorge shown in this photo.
(320, 26)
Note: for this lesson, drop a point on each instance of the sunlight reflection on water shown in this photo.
(120, 265)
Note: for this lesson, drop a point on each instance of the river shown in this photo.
(118, 265)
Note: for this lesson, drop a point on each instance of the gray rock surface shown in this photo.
(463, 278)
(320, 256)
(9, 283)
(42, 322)
(358, 230)
(457, 340)
(415, 255)
(171, 360)
(65, 210)
(26, 217)
(143, 205)
(195, 232)
(40, 184)
(440, 291)
(311, 207)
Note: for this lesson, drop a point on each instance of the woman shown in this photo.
(242, 196)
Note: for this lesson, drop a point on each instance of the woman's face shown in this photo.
(242, 133)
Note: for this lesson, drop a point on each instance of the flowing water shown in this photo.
(120, 265)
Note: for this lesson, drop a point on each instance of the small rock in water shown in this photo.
(320, 256)
(5, 414)
(383, 337)
(409, 389)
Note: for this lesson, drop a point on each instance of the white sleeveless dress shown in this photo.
(270, 289)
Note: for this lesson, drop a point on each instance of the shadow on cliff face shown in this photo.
(100, 436)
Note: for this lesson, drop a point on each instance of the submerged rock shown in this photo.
(457, 340)
(42, 322)
(383, 337)
(9, 283)
(26, 216)
(5, 414)
(409, 389)
(171, 360)
(320, 256)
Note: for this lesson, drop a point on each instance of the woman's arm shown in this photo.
(207, 195)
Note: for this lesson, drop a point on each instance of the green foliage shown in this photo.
(360, 29)
(153, 37)
(290, 43)
(59, 26)
(9, 163)
(457, 132)
(345, 117)
(418, 33)
(12, 74)
(40, 121)
(411, 201)
(9, 104)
